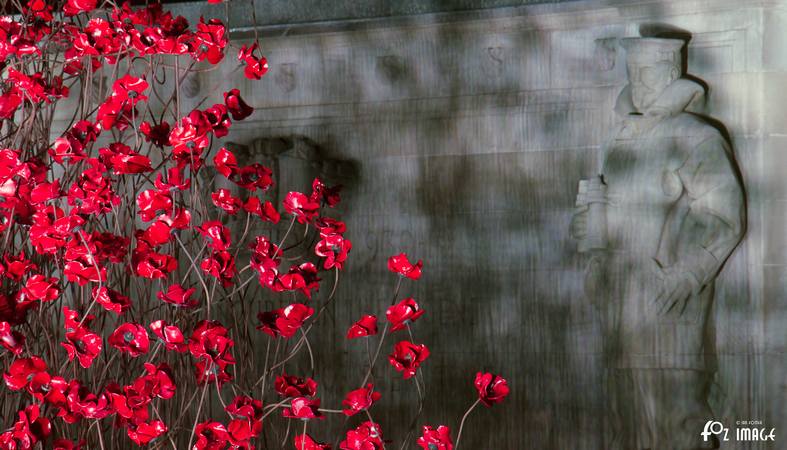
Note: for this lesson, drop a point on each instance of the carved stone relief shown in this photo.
(285, 77)
(657, 225)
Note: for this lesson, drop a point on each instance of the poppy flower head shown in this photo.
(365, 326)
(251, 177)
(286, 321)
(111, 300)
(293, 386)
(367, 436)
(302, 278)
(170, 335)
(209, 41)
(360, 400)
(303, 408)
(39, 287)
(80, 343)
(255, 66)
(128, 90)
(130, 338)
(152, 202)
(237, 107)
(145, 432)
(301, 206)
(435, 438)
(334, 248)
(306, 442)
(401, 265)
(246, 407)
(74, 7)
(156, 134)
(266, 211)
(323, 194)
(407, 357)
(221, 265)
(491, 388)
(30, 429)
(210, 436)
(217, 235)
(11, 340)
(22, 371)
(402, 313)
(211, 345)
(178, 296)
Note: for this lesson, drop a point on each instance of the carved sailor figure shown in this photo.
(659, 222)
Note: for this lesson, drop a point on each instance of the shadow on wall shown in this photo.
(452, 168)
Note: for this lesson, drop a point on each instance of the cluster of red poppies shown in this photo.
(105, 234)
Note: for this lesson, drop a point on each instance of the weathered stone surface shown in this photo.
(469, 132)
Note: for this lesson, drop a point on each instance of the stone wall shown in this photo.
(468, 134)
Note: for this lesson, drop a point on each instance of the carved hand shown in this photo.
(677, 287)
(579, 223)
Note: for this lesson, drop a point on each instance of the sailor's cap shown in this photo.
(651, 50)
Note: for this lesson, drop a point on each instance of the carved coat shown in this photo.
(675, 205)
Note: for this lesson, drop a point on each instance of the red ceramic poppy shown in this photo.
(11, 340)
(365, 326)
(301, 206)
(156, 134)
(122, 160)
(221, 265)
(145, 432)
(286, 321)
(303, 408)
(240, 432)
(81, 343)
(170, 335)
(210, 436)
(74, 7)
(209, 41)
(367, 436)
(334, 248)
(360, 400)
(266, 211)
(407, 357)
(152, 202)
(28, 431)
(111, 300)
(210, 344)
(22, 371)
(435, 438)
(306, 442)
(251, 177)
(324, 194)
(217, 235)
(178, 296)
(402, 313)
(292, 386)
(156, 383)
(302, 278)
(130, 338)
(39, 287)
(238, 108)
(401, 265)
(246, 407)
(255, 66)
(128, 90)
(491, 388)
(150, 264)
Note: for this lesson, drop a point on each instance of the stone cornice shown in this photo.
(544, 16)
